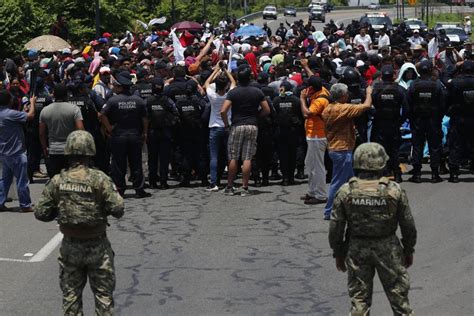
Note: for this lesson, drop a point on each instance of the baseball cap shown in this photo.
(387, 71)
(66, 51)
(124, 78)
(416, 31)
(157, 81)
(75, 52)
(32, 53)
(104, 70)
(425, 65)
(262, 76)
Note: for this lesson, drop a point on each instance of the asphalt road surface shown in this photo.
(190, 252)
(346, 16)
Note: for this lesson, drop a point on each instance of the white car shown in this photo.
(270, 12)
(373, 6)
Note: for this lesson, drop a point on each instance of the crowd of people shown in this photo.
(288, 105)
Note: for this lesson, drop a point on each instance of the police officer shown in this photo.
(143, 87)
(390, 102)
(265, 137)
(461, 125)
(163, 116)
(289, 123)
(81, 198)
(33, 145)
(426, 100)
(351, 77)
(281, 31)
(176, 90)
(364, 241)
(190, 110)
(124, 116)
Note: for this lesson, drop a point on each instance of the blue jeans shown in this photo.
(341, 173)
(217, 148)
(17, 166)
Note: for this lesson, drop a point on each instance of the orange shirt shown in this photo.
(339, 120)
(314, 124)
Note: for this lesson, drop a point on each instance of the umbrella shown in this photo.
(250, 30)
(47, 43)
(187, 26)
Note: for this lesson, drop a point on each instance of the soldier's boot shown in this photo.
(285, 182)
(416, 177)
(397, 177)
(453, 177)
(435, 178)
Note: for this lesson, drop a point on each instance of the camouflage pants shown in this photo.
(384, 256)
(79, 261)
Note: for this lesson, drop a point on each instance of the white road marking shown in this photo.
(43, 253)
(28, 254)
(47, 249)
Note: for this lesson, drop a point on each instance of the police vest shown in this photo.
(88, 111)
(78, 198)
(387, 103)
(288, 113)
(144, 90)
(425, 98)
(190, 112)
(463, 96)
(371, 209)
(161, 114)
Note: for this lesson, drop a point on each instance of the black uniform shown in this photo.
(281, 31)
(265, 140)
(461, 126)
(426, 100)
(176, 90)
(143, 89)
(163, 117)
(33, 144)
(289, 122)
(190, 109)
(389, 100)
(126, 113)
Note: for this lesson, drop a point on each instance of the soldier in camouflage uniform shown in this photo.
(81, 198)
(372, 207)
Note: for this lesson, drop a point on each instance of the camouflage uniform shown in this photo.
(81, 198)
(372, 210)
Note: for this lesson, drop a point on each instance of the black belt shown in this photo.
(85, 240)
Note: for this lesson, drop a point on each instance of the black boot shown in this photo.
(300, 175)
(443, 169)
(435, 178)
(163, 185)
(140, 194)
(397, 177)
(153, 185)
(285, 182)
(416, 177)
(275, 175)
(453, 177)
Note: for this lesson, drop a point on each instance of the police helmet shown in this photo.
(80, 143)
(350, 76)
(370, 157)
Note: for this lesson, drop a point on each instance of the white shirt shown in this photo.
(467, 27)
(216, 102)
(415, 41)
(362, 40)
(384, 40)
(432, 48)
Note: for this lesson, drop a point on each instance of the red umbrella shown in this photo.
(187, 26)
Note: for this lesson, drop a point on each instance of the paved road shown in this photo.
(346, 16)
(189, 252)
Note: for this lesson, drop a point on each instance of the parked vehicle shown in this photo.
(291, 11)
(270, 12)
(318, 13)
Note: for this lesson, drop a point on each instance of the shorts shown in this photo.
(242, 142)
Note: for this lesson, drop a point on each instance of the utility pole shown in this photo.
(97, 18)
(204, 9)
(245, 7)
